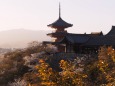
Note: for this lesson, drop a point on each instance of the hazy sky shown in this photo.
(85, 15)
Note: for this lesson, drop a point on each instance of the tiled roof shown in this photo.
(75, 38)
(88, 40)
(101, 40)
(60, 23)
(57, 33)
(112, 31)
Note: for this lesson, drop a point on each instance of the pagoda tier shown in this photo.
(60, 23)
(55, 34)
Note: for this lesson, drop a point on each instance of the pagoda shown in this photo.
(59, 25)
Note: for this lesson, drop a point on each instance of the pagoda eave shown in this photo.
(56, 34)
(52, 26)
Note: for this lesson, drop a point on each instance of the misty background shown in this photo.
(21, 37)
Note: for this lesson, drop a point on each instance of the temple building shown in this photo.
(78, 43)
(59, 25)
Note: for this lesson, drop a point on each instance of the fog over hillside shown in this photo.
(21, 37)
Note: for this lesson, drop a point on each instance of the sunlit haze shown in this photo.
(85, 15)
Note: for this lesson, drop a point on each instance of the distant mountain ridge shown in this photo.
(19, 38)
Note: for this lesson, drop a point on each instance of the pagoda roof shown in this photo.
(60, 23)
(57, 33)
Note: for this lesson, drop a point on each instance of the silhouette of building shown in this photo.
(59, 25)
(87, 43)
(79, 43)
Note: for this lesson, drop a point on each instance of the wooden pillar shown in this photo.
(66, 48)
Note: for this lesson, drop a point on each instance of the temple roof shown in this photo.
(57, 33)
(60, 23)
(75, 38)
(89, 40)
(112, 31)
(101, 40)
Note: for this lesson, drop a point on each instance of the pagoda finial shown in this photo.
(59, 11)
